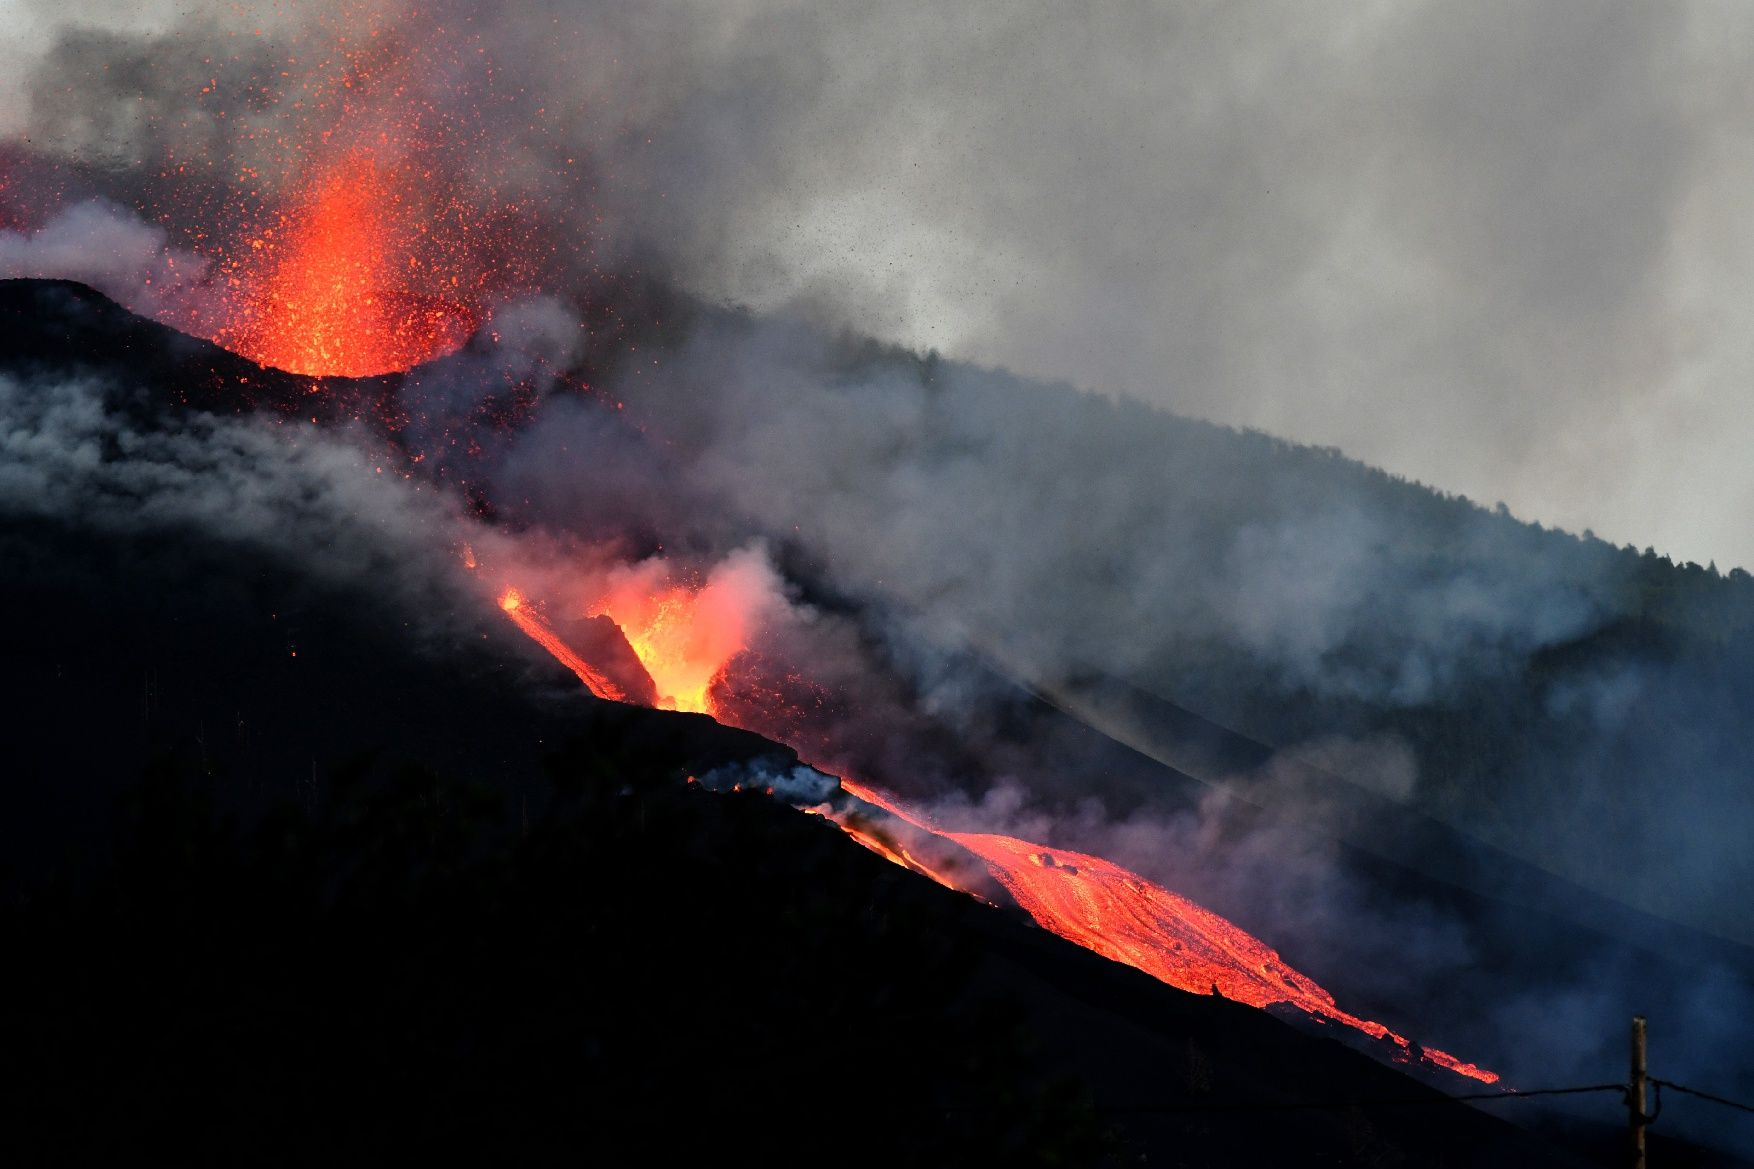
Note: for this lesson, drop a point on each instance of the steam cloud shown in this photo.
(112, 250)
(322, 502)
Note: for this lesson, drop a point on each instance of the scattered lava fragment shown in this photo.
(339, 288)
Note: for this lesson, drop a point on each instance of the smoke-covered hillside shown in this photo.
(305, 849)
(1582, 705)
(511, 339)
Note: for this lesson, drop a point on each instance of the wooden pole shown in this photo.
(1635, 1099)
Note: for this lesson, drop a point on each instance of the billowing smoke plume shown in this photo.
(924, 540)
(1501, 252)
(1284, 591)
(73, 452)
(118, 254)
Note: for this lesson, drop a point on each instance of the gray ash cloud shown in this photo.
(1469, 245)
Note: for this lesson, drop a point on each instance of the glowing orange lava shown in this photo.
(684, 637)
(890, 850)
(1119, 914)
(339, 288)
(513, 604)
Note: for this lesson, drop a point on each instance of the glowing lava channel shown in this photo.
(1082, 898)
(686, 637)
(514, 605)
(1122, 916)
(889, 849)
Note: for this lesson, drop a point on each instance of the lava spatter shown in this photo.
(339, 286)
(370, 210)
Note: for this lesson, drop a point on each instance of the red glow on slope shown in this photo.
(1116, 913)
(339, 287)
(514, 605)
(1119, 914)
(890, 849)
(685, 637)
(1084, 899)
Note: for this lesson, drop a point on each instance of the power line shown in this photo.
(1727, 1103)
(1632, 1093)
(1436, 1098)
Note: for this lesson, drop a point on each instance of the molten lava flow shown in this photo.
(1119, 914)
(514, 605)
(1105, 908)
(339, 287)
(684, 637)
(889, 849)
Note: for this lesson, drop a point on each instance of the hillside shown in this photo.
(286, 665)
(1586, 707)
(287, 879)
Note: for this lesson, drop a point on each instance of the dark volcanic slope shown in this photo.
(1586, 707)
(378, 899)
(409, 892)
(53, 328)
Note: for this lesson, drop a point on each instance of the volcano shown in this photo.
(502, 659)
(272, 694)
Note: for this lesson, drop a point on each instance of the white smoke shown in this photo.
(1479, 247)
(320, 500)
(114, 251)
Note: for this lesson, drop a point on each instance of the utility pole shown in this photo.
(1636, 1092)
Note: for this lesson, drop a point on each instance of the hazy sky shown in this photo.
(1506, 249)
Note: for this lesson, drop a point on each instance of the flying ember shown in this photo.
(339, 286)
(369, 219)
